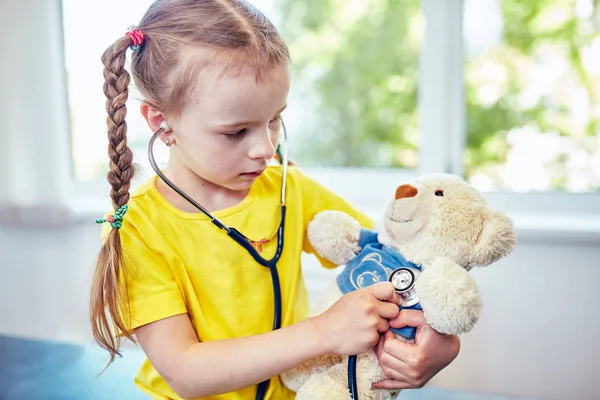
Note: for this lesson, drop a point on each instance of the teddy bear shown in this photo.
(434, 230)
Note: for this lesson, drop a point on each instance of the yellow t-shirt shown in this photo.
(179, 262)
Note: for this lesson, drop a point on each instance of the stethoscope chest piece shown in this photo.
(404, 280)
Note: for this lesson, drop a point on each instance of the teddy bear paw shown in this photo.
(334, 235)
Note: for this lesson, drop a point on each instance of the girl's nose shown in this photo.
(262, 146)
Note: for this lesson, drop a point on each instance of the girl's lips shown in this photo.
(254, 174)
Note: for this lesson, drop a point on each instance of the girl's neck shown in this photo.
(210, 196)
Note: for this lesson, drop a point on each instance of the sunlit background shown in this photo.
(532, 82)
(503, 92)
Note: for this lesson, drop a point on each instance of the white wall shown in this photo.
(537, 337)
(538, 334)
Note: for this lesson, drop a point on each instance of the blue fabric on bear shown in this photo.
(375, 263)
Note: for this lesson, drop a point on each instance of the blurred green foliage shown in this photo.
(362, 59)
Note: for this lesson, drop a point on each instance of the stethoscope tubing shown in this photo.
(240, 238)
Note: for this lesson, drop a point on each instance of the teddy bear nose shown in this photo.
(406, 191)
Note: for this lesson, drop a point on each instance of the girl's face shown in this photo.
(229, 129)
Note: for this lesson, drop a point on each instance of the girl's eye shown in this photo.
(236, 135)
(276, 119)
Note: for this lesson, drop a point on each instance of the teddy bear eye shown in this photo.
(439, 193)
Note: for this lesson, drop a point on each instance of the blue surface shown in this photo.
(44, 370)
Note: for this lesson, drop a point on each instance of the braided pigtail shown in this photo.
(108, 285)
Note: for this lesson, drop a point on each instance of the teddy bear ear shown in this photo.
(496, 239)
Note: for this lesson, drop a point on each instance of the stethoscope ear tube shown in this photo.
(180, 192)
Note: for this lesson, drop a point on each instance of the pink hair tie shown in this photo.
(137, 37)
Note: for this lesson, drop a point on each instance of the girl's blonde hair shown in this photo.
(232, 32)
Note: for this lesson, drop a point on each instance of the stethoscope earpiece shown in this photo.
(164, 125)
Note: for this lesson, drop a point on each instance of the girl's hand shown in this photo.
(352, 325)
(412, 365)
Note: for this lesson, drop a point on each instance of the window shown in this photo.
(360, 111)
(383, 90)
(533, 94)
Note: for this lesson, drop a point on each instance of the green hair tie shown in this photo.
(116, 219)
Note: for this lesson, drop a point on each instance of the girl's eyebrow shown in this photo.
(241, 123)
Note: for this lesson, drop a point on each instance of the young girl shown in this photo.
(215, 75)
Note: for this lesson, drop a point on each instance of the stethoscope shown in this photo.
(237, 235)
(403, 279)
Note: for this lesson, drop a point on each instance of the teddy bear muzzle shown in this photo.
(405, 191)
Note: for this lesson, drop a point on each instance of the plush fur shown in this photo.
(438, 222)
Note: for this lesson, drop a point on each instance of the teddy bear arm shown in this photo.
(449, 297)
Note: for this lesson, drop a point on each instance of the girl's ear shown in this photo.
(153, 116)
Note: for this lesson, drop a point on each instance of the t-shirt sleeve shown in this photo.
(152, 293)
(317, 198)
